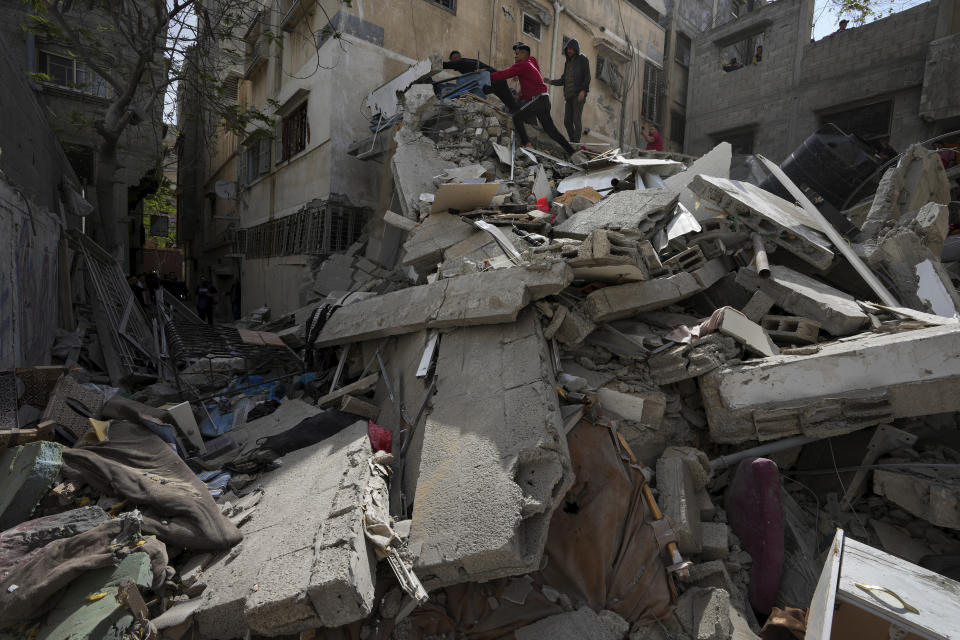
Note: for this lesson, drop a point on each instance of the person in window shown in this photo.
(758, 56)
(733, 65)
(576, 83)
(653, 138)
(470, 65)
(205, 293)
(533, 94)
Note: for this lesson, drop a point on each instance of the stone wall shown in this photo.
(781, 98)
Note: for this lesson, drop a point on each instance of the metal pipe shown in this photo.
(760, 256)
(789, 443)
(557, 10)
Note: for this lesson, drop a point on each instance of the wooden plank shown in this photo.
(363, 384)
(933, 595)
(820, 616)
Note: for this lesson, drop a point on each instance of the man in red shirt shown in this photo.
(652, 136)
(533, 95)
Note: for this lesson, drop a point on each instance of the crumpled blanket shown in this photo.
(136, 465)
(43, 572)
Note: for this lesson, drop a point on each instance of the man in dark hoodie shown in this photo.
(576, 83)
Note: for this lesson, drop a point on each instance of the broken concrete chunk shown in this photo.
(638, 212)
(582, 624)
(426, 243)
(605, 256)
(843, 387)
(304, 561)
(27, 473)
(931, 499)
(715, 162)
(918, 279)
(574, 327)
(483, 298)
(750, 334)
(704, 614)
(716, 540)
(359, 407)
(783, 222)
(758, 306)
(625, 300)
(398, 221)
(415, 162)
(837, 312)
(791, 329)
(678, 487)
(685, 361)
(494, 462)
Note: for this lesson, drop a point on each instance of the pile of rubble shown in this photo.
(627, 399)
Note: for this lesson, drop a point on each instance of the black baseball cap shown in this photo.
(521, 45)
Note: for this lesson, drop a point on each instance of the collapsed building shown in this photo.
(630, 398)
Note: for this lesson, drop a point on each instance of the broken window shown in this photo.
(651, 107)
(609, 72)
(746, 51)
(741, 140)
(531, 26)
(67, 72)
(870, 122)
(296, 133)
(684, 45)
(449, 5)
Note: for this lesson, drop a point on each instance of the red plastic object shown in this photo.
(755, 513)
(381, 438)
(543, 205)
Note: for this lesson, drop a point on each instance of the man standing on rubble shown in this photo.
(533, 95)
(471, 65)
(205, 293)
(576, 84)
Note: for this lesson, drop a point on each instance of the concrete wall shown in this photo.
(783, 98)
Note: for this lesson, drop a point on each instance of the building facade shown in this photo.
(894, 79)
(293, 194)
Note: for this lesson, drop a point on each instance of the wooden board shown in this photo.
(463, 197)
(936, 597)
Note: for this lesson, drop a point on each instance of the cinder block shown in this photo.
(791, 329)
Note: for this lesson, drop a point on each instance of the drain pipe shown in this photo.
(557, 10)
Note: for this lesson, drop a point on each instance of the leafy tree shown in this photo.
(162, 203)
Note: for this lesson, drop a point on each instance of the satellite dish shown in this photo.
(225, 189)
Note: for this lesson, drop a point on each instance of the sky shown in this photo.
(826, 18)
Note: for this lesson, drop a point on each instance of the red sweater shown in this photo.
(528, 71)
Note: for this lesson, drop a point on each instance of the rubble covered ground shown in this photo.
(629, 398)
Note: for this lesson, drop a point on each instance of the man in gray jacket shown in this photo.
(576, 83)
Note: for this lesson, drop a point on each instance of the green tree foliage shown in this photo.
(161, 203)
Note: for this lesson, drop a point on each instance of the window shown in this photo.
(255, 160)
(870, 122)
(651, 107)
(682, 55)
(449, 5)
(295, 134)
(231, 89)
(742, 53)
(609, 73)
(67, 72)
(741, 140)
(531, 26)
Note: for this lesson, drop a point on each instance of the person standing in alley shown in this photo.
(576, 84)
(205, 293)
(533, 94)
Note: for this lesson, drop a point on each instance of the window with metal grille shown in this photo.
(255, 159)
(313, 231)
(651, 107)
(531, 26)
(296, 133)
(449, 5)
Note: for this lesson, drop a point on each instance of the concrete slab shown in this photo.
(638, 212)
(491, 297)
(26, 475)
(304, 561)
(748, 333)
(758, 306)
(715, 162)
(427, 241)
(933, 500)
(783, 222)
(625, 300)
(415, 162)
(494, 462)
(582, 624)
(837, 312)
(843, 387)
(678, 486)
